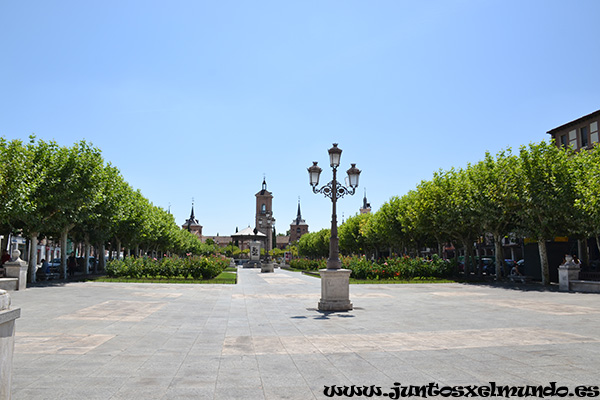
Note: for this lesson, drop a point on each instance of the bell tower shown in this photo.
(191, 224)
(298, 227)
(264, 214)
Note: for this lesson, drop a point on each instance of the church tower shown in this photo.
(264, 214)
(298, 227)
(366, 208)
(191, 224)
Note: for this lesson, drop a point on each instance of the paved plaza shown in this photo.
(264, 339)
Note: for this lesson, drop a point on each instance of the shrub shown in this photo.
(169, 267)
(306, 264)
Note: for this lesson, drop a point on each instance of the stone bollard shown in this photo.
(567, 272)
(17, 268)
(335, 290)
(7, 343)
(266, 267)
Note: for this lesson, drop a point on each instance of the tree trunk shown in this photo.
(544, 262)
(33, 244)
(479, 260)
(100, 260)
(466, 261)
(86, 256)
(499, 255)
(598, 243)
(118, 249)
(63, 252)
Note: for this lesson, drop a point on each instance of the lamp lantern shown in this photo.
(335, 153)
(353, 174)
(314, 172)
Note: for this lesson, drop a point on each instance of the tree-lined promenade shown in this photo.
(541, 192)
(61, 192)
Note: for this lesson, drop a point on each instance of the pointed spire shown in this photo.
(365, 204)
(192, 218)
(299, 217)
(264, 184)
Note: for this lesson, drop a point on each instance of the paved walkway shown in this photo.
(264, 339)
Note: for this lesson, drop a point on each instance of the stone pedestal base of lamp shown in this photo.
(335, 290)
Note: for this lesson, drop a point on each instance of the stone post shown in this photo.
(335, 290)
(267, 267)
(254, 254)
(567, 272)
(7, 343)
(17, 268)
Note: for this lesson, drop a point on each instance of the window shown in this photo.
(563, 140)
(594, 132)
(573, 139)
(297, 230)
(584, 136)
(263, 209)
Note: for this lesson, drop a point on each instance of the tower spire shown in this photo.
(299, 216)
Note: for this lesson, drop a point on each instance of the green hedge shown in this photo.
(306, 264)
(194, 267)
(400, 268)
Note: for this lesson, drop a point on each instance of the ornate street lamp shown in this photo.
(334, 280)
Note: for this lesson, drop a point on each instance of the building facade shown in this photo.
(191, 224)
(366, 208)
(298, 227)
(581, 133)
(264, 214)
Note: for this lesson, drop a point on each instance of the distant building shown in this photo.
(247, 235)
(366, 208)
(191, 224)
(581, 133)
(282, 241)
(264, 214)
(298, 227)
(221, 241)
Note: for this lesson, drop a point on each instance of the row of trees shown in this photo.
(59, 192)
(541, 192)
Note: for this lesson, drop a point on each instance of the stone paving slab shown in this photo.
(264, 339)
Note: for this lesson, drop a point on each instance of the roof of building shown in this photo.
(264, 191)
(248, 232)
(575, 122)
(298, 220)
(191, 221)
(282, 239)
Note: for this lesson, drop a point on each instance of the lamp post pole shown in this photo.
(335, 285)
(334, 242)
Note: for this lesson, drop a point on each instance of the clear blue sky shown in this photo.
(201, 98)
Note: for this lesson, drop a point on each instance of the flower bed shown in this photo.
(395, 268)
(169, 267)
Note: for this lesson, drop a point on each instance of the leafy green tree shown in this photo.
(547, 201)
(586, 175)
(357, 236)
(495, 197)
(314, 244)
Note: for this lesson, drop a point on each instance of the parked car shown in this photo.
(54, 265)
(488, 266)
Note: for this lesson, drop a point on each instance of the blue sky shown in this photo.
(198, 99)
